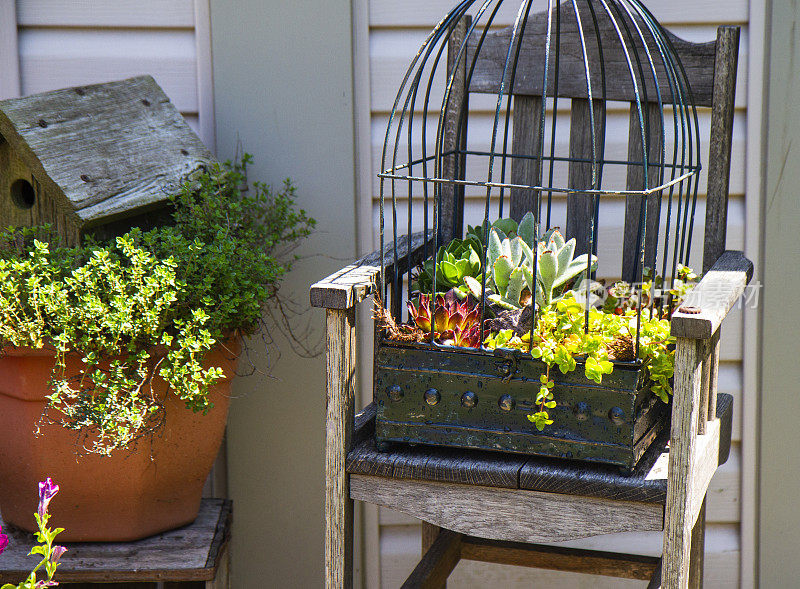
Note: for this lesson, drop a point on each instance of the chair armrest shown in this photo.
(352, 284)
(707, 305)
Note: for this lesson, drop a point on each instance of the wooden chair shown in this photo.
(496, 507)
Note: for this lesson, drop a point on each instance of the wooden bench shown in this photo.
(192, 557)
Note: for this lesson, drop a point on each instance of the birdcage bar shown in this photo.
(640, 30)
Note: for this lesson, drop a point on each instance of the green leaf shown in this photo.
(527, 229)
(502, 273)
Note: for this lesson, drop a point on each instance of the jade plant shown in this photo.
(148, 305)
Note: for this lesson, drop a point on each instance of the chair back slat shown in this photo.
(580, 207)
(451, 220)
(697, 59)
(720, 143)
(642, 230)
(526, 141)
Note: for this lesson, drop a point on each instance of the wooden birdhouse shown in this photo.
(94, 159)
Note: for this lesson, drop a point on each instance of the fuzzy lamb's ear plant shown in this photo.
(510, 280)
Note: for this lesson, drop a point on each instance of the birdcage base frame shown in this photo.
(473, 399)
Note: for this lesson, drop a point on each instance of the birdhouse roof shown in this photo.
(106, 151)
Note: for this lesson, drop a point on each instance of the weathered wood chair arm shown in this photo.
(709, 302)
(352, 284)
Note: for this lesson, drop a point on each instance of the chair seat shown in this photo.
(647, 483)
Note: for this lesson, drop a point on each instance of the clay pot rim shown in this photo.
(230, 343)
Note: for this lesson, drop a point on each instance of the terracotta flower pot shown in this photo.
(127, 496)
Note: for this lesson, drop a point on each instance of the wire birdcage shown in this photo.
(539, 98)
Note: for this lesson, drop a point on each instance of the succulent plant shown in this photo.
(526, 229)
(455, 261)
(454, 322)
(510, 280)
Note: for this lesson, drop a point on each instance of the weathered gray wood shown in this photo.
(437, 562)
(647, 483)
(705, 359)
(192, 553)
(697, 59)
(592, 562)
(103, 152)
(526, 140)
(631, 253)
(341, 355)
(707, 305)
(713, 377)
(504, 514)
(352, 284)
(453, 166)
(678, 521)
(430, 534)
(580, 209)
(697, 555)
(719, 158)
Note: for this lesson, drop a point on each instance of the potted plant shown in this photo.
(117, 355)
(576, 371)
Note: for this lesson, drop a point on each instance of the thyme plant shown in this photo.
(147, 306)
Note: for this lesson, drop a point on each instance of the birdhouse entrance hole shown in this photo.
(22, 194)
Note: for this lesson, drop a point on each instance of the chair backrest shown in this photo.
(710, 70)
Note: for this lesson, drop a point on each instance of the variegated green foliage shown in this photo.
(510, 277)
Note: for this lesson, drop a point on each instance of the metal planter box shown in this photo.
(470, 399)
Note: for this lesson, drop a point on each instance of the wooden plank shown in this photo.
(341, 374)
(580, 207)
(503, 514)
(655, 580)
(107, 13)
(697, 60)
(190, 553)
(437, 563)
(707, 305)
(631, 249)
(9, 51)
(592, 562)
(454, 166)
(719, 158)
(105, 127)
(430, 533)
(705, 378)
(678, 520)
(352, 284)
(697, 554)
(713, 375)
(526, 141)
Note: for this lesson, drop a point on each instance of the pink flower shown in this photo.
(47, 490)
(3, 541)
(57, 553)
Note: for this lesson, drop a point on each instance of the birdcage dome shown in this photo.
(539, 96)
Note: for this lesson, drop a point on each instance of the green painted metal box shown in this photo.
(472, 399)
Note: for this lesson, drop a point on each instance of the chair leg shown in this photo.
(341, 353)
(697, 556)
(678, 521)
(429, 535)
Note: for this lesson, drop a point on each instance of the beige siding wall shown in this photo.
(66, 43)
(396, 30)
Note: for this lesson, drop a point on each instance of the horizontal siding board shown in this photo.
(400, 547)
(393, 51)
(57, 58)
(424, 13)
(106, 13)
